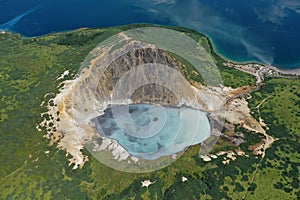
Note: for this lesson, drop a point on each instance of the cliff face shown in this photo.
(142, 76)
(146, 91)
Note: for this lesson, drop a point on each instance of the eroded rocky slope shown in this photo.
(151, 76)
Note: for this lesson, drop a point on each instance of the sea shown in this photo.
(264, 31)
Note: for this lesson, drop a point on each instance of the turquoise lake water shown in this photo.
(150, 131)
(267, 31)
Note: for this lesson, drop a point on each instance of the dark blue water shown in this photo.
(267, 31)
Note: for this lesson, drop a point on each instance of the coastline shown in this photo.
(250, 64)
(285, 71)
(239, 65)
(214, 47)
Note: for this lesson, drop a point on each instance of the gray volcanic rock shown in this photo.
(141, 58)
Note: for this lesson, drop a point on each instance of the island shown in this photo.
(57, 94)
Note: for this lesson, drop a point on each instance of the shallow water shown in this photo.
(151, 131)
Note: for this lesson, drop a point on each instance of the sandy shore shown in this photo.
(285, 71)
(260, 71)
(254, 67)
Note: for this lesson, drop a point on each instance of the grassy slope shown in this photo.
(278, 175)
(28, 70)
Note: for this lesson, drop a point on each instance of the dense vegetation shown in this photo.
(280, 112)
(28, 71)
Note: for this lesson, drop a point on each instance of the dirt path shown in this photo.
(253, 177)
(18, 169)
(268, 141)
